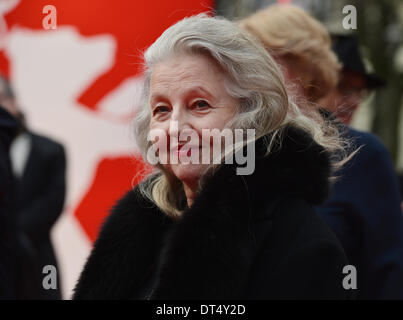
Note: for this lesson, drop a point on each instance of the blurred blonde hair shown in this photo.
(286, 30)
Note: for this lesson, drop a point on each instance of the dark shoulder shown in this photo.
(47, 144)
(371, 145)
(126, 240)
(301, 258)
(129, 213)
(373, 158)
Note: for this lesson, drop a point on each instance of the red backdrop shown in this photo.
(134, 25)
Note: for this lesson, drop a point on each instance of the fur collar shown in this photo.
(207, 254)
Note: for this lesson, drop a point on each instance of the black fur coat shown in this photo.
(245, 237)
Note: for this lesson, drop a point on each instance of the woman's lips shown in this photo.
(180, 151)
(183, 153)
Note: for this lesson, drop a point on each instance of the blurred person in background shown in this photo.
(355, 81)
(364, 208)
(301, 46)
(372, 179)
(39, 168)
(401, 188)
(203, 231)
(8, 240)
(355, 84)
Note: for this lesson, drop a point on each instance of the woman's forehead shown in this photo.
(193, 72)
(186, 65)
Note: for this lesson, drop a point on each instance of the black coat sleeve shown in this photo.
(301, 258)
(123, 252)
(312, 271)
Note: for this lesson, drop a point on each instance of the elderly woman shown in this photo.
(202, 230)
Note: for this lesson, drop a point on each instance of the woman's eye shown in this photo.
(160, 110)
(200, 105)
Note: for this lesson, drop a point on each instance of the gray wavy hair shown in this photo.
(253, 78)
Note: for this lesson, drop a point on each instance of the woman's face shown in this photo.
(188, 90)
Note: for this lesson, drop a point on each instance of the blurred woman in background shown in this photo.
(301, 45)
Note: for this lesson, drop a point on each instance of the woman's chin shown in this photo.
(188, 173)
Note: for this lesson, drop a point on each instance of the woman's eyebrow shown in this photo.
(191, 91)
(200, 90)
(157, 97)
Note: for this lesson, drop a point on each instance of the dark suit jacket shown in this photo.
(364, 212)
(41, 194)
(245, 237)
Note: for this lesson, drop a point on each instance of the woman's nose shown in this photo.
(179, 121)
